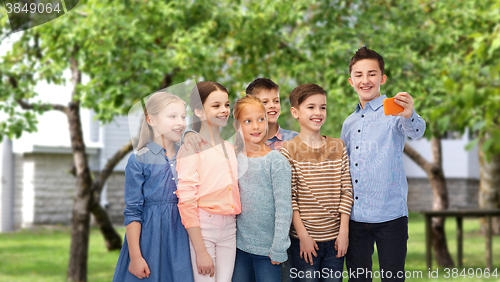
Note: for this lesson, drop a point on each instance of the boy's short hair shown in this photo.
(365, 53)
(304, 91)
(259, 84)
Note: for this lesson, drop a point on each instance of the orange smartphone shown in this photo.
(391, 108)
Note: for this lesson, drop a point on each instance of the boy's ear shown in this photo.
(199, 113)
(384, 78)
(295, 112)
(350, 82)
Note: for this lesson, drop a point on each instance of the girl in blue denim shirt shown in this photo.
(156, 245)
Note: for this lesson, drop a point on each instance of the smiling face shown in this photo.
(311, 113)
(169, 122)
(271, 101)
(215, 109)
(252, 121)
(366, 78)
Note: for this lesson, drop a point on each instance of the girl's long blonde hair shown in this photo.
(238, 107)
(156, 102)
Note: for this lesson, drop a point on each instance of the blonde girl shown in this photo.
(265, 189)
(156, 244)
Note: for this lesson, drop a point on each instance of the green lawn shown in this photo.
(42, 255)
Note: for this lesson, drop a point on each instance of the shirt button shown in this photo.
(173, 178)
(171, 165)
(362, 116)
(417, 130)
(229, 188)
(356, 197)
(356, 164)
(357, 147)
(412, 119)
(173, 192)
(356, 181)
(232, 206)
(359, 130)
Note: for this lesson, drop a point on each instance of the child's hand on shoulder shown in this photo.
(194, 141)
(405, 100)
(139, 267)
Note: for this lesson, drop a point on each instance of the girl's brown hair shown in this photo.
(155, 103)
(238, 107)
(199, 95)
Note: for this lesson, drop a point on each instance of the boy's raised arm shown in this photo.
(412, 124)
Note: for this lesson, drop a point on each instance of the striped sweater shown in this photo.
(321, 185)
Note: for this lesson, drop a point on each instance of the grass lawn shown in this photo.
(41, 254)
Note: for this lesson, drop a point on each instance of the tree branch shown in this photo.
(27, 106)
(437, 157)
(292, 51)
(167, 80)
(110, 165)
(38, 51)
(46, 107)
(427, 166)
(75, 73)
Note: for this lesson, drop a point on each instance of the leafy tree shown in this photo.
(130, 49)
(473, 100)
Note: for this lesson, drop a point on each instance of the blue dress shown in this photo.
(150, 185)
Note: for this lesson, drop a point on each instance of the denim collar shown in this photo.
(153, 147)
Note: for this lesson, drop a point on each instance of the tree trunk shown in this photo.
(80, 223)
(112, 239)
(435, 173)
(489, 186)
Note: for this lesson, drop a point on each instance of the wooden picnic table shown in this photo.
(459, 215)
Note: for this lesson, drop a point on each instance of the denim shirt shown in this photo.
(375, 144)
(150, 178)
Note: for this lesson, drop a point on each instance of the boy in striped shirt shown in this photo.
(322, 194)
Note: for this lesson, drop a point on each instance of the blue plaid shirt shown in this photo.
(282, 135)
(375, 144)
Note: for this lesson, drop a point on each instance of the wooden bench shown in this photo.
(459, 215)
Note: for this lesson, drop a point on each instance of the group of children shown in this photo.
(278, 205)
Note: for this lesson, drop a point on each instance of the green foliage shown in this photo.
(129, 49)
(444, 53)
(476, 78)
